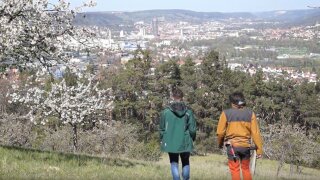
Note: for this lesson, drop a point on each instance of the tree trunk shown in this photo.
(126, 109)
(279, 166)
(291, 168)
(299, 169)
(291, 161)
(75, 138)
(281, 162)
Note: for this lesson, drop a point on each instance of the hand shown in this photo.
(259, 156)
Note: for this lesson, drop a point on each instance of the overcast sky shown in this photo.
(200, 5)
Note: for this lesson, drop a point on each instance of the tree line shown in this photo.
(142, 90)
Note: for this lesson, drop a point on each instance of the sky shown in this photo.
(200, 5)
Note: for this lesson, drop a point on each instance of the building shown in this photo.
(155, 27)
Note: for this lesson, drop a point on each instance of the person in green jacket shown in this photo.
(177, 133)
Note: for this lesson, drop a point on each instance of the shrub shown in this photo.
(149, 151)
(116, 139)
(16, 131)
(57, 139)
(205, 144)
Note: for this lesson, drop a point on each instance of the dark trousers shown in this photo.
(174, 157)
(174, 161)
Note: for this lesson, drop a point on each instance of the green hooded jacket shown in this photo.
(177, 128)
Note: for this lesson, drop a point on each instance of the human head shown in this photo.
(237, 98)
(177, 94)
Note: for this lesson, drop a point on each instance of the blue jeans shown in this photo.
(174, 161)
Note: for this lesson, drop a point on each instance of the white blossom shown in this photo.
(72, 104)
(37, 32)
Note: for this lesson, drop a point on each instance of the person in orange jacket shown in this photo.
(236, 127)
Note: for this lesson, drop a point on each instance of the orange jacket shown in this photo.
(238, 126)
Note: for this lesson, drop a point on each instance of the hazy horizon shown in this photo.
(200, 5)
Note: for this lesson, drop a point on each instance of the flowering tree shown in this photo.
(36, 31)
(73, 105)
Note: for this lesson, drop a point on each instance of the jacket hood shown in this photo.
(178, 108)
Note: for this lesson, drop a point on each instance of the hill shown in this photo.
(181, 15)
(17, 163)
(293, 17)
(98, 19)
(116, 18)
(304, 17)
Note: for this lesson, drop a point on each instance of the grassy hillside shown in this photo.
(29, 164)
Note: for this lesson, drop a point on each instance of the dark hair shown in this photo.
(237, 98)
(177, 93)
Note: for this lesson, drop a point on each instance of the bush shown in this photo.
(16, 131)
(149, 151)
(290, 143)
(56, 140)
(205, 144)
(116, 139)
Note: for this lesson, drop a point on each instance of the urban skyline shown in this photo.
(202, 6)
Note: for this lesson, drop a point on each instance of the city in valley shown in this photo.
(247, 42)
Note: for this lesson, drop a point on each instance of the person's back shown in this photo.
(177, 133)
(240, 124)
(236, 127)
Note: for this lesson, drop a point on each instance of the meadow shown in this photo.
(17, 163)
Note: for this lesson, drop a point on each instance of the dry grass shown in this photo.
(28, 164)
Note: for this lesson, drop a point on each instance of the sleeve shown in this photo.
(221, 129)
(162, 125)
(255, 133)
(192, 126)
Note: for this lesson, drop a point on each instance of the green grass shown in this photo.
(16, 163)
